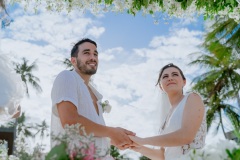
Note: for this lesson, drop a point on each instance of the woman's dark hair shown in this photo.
(74, 51)
(168, 66)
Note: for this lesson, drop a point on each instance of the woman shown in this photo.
(184, 126)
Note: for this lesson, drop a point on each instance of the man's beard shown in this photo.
(83, 68)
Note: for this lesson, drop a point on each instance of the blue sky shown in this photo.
(136, 31)
(132, 51)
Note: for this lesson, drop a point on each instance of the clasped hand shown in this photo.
(120, 138)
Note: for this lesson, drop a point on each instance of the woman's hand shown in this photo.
(136, 147)
(136, 140)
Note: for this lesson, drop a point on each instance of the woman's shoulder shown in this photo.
(195, 99)
(194, 95)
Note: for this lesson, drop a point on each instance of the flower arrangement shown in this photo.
(106, 106)
(221, 149)
(70, 146)
(75, 146)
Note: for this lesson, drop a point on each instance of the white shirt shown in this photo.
(69, 86)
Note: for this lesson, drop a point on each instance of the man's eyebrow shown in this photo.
(87, 50)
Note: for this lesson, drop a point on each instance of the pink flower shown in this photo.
(72, 154)
(90, 152)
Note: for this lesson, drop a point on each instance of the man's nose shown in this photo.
(93, 57)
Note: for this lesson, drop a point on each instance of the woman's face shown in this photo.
(172, 80)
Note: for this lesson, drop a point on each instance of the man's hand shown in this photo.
(119, 137)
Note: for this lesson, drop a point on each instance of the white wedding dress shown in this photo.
(11, 89)
(173, 124)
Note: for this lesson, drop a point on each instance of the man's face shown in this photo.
(87, 60)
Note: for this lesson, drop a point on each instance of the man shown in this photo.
(75, 100)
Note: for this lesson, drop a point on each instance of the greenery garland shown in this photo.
(174, 8)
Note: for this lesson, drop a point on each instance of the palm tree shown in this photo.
(41, 129)
(220, 83)
(23, 128)
(25, 71)
(225, 30)
(68, 64)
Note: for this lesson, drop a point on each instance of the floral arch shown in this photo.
(174, 8)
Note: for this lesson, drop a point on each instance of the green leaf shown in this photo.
(178, 0)
(58, 152)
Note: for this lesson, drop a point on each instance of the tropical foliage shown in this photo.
(68, 64)
(176, 8)
(226, 31)
(31, 130)
(24, 131)
(114, 152)
(222, 149)
(144, 158)
(220, 83)
(25, 70)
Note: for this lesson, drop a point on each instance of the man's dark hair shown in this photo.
(74, 51)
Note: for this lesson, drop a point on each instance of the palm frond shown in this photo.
(233, 117)
(25, 70)
(68, 64)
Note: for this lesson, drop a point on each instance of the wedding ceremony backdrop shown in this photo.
(135, 39)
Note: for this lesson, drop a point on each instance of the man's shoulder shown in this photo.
(65, 73)
(64, 76)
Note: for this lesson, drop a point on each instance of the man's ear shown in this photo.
(73, 60)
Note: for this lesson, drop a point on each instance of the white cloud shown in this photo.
(95, 31)
(177, 36)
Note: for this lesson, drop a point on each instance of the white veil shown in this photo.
(11, 89)
(164, 108)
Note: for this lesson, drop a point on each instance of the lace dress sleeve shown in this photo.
(199, 140)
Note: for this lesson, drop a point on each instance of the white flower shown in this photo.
(215, 150)
(76, 146)
(12, 157)
(3, 149)
(106, 106)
